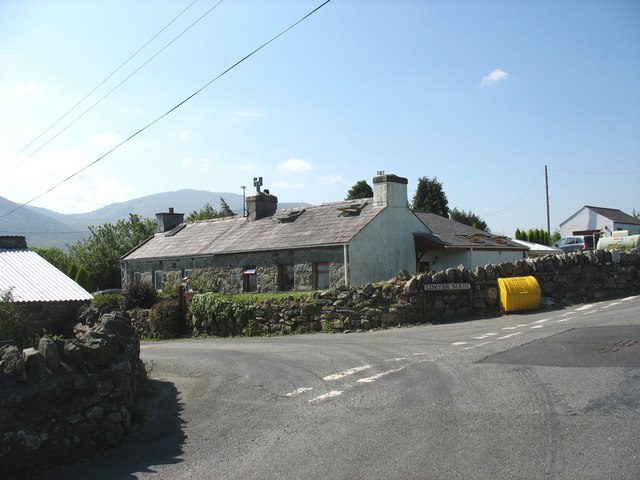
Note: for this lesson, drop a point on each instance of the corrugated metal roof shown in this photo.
(33, 279)
(315, 226)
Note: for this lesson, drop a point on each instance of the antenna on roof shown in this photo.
(257, 182)
(244, 202)
(380, 172)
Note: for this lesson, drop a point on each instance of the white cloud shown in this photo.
(332, 179)
(288, 186)
(494, 77)
(107, 140)
(30, 87)
(203, 163)
(86, 191)
(295, 165)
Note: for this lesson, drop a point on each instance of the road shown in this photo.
(545, 395)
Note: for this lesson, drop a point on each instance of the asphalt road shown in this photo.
(547, 395)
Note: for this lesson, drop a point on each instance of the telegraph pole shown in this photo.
(546, 189)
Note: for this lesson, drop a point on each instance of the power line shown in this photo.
(171, 110)
(511, 204)
(110, 91)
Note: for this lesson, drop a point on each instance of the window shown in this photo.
(157, 279)
(321, 276)
(286, 277)
(188, 273)
(249, 279)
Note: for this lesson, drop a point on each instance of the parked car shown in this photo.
(575, 243)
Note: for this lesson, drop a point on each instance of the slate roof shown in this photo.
(33, 279)
(452, 234)
(615, 215)
(312, 226)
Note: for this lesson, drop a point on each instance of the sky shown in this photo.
(481, 94)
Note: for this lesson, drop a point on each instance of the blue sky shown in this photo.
(480, 94)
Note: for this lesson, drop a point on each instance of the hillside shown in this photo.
(45, 228)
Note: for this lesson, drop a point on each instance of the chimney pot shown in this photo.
(170, 209)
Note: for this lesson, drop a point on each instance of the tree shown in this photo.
(225, 211)
(55, 257)
(469, 218)
(100, 253)
(207, 212)
(360, 190)
(636, 214)
(535, 235)
(430, 197)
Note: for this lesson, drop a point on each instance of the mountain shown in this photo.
(40, 230)
(59, 229)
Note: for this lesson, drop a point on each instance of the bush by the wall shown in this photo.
(138, 294)
(163, 319)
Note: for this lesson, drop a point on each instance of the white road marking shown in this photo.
(517, 326)
(509, 336)
(346, 373)
(299, 391)
(460, 343)
(397, 359)
(542, 321)
(565, 319)
(331, 394)
(485, 335)
(629, 298)
(537, 326)
(585, 307)
(419, 354)
(378, 376)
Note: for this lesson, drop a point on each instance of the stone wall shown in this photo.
(564, 279)
(225, 272)
(68, 398)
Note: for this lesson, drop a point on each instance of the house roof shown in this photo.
(33, 279)
(613, 214)
(312, 226)
(452, 234)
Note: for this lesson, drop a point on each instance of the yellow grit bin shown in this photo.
(519, 293)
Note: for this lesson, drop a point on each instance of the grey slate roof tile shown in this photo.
(315, 227)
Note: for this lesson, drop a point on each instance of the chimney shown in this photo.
(13, 242)
(390, 191)
(261, 205)
(168, 220)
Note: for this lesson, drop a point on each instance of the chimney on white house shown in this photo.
(390, 191)
(166, 221)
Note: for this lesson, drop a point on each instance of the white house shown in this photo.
(600, 221)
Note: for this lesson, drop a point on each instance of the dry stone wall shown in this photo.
(68, 398)
(564, 279)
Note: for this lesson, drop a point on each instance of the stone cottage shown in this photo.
(351, 242)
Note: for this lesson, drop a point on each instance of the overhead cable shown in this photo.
(113, 89)
(171, 110)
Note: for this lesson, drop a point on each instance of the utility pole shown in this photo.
(546, 189)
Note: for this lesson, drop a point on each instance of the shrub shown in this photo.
(138, 294)
(82, 278)
(163, 319)
(107, 302)
(9, 315)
